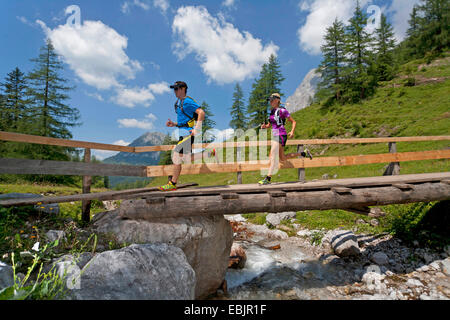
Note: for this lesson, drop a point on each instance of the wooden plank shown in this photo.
(157, 171)
(87, 180)
(296, 142)
(403, 186)
(342, 190)
(312, 185)
(27, 166)
(107, 195)
(294, 201)
(26, 138)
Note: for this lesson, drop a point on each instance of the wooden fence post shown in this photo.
(301, 171)
(87, 180)
(393, 168)
(239, 157)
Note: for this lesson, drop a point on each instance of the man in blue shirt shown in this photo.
(189, 117)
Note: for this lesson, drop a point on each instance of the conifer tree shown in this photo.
(208, 123)
(384, 50)
(359, 57)
(333, 63)
(238, 116)
(14, 105)
(52, 117)
(269, 81)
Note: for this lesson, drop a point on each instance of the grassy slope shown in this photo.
(395, 110)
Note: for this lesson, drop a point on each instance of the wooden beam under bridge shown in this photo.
(353, 194)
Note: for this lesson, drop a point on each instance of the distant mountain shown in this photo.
(137, 159)
(304, 94)
(145, 158)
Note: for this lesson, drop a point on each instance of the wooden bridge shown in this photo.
(355, 195)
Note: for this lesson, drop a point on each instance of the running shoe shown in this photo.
(168, 187)
(265, 181)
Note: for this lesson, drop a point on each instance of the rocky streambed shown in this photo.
(281, 267)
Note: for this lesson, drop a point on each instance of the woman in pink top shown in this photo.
(277, 119)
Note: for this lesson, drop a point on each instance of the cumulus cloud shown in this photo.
(228, 3)
(401, 10)
(102, 154)
(130, 97)
(321, 14)
(95, 52)
(134, 123)
(225, 54)
(162, 5)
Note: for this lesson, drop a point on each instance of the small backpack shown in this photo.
(280, 121)
(194, 117)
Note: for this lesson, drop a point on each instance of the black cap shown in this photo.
(179, 84)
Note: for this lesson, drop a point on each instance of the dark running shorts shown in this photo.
(185, 147)
(282, 140)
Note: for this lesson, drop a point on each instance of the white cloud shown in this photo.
(130, 97)
(151, 116)
(133, 123)
(321, 15)
(159, 88)
(121, 142)
(162, 5)
(226, 55)
(96, 96)
(95, 52)
(401, 10)
(228, 3)
(127, 4)
(102, 154)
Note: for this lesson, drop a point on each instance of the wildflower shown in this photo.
(39, 203)
(35, 247)
(21, 231)
(32, 237)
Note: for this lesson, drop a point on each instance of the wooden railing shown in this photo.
(88, 169)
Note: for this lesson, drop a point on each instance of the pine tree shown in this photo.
(48, 91)
(384, 50)
(269, 81)
(333, 63)
(166, 156)
(14, 107)
(434, 30)
(359, 57)
(238, 116)
(208, 123)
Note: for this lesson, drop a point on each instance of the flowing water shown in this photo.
(287, 273)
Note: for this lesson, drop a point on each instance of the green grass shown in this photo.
(394, 110)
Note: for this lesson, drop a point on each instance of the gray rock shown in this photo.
(51, 208)
(304, 94)
(53, 235)
(344, 243)
(445, 266)
(6, 275)
(379, 258)
(304, 233)
(414, 283)
(206, 242)
(374, 222)
(137, 272)
(275, 219)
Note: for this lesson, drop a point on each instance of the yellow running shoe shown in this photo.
(168, 187)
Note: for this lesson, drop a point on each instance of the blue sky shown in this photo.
(122, 54)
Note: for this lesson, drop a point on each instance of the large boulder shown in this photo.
(275, 219)
(137, 272)
(6, 276)
(206, 242)
(343, 242)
